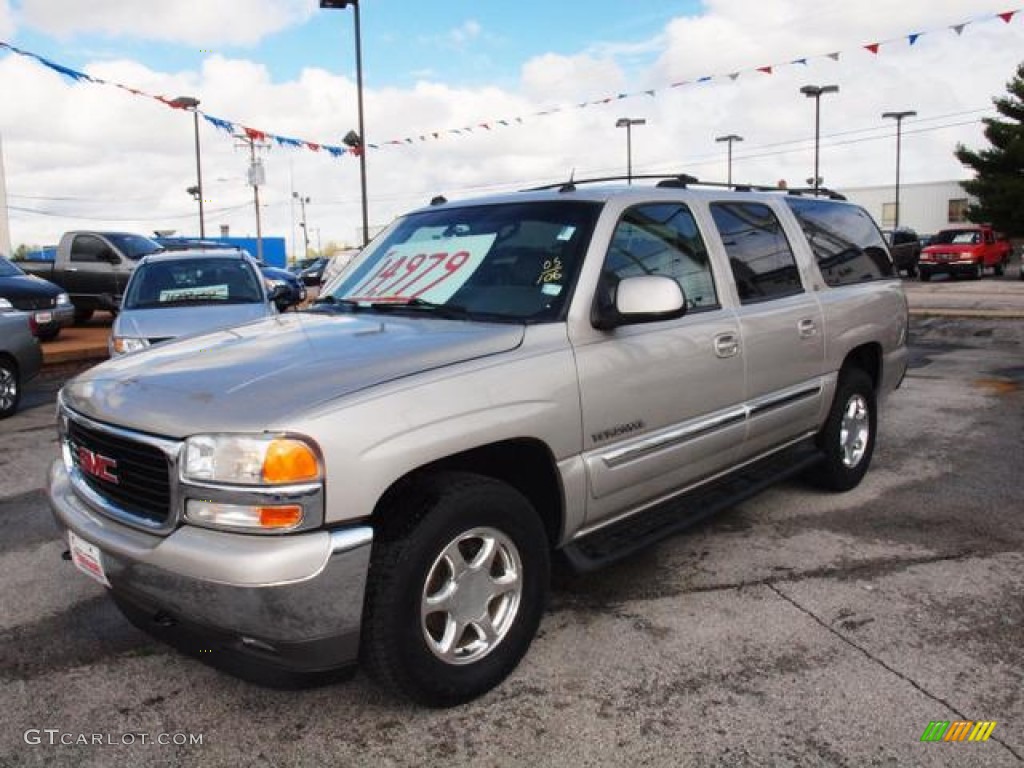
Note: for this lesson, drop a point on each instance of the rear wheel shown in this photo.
(10, 387)
(848, 437)
(456, 588)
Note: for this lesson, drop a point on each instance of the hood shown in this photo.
(172, 322)
(257, 375)
(27, 287)
(951, 248)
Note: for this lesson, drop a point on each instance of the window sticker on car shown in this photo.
(551, 271)
(429, 270)
(194, 292)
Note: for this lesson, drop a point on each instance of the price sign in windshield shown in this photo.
(431, 270)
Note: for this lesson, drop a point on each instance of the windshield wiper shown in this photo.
(447, 311)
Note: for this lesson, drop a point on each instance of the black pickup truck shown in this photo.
(94, 267)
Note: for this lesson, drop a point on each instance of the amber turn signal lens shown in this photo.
(289, 461)
(280, 517)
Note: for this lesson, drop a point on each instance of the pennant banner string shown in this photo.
(255, 134)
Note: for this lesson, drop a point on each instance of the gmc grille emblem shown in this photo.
(97, 465)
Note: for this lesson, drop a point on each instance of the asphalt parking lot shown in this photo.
(799, 628)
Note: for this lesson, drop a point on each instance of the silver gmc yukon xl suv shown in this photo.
(386, 478)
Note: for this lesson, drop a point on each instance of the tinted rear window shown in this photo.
(846, 241)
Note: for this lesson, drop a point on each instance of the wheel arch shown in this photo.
(868, 358)
(525, 464)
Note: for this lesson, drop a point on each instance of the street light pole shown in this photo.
(192, 105)
(341, 4)
(898, 117)
(732, 137)
(628, 123)
(815, 92)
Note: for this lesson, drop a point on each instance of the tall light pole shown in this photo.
(305, 229)
(192, 105)
(732, 137)
(360, 138)
(628, 123)
(898, 117)
(815, 92)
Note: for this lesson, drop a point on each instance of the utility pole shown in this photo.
(256, 178)
(305, 228)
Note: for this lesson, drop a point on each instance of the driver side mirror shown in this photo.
(641, 299)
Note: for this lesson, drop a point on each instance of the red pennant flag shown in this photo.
(485, 126)
(873, 47)
(255, 135)
(314, 147)
(766, 70)
(1007, 16)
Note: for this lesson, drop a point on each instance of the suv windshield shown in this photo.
(135, 247)
(192, 281)
(514, 262)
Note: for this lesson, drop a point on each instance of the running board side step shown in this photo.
(627, 537)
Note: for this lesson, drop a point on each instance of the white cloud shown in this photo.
(7, 25)
(125, 161)
(465, 33)
(195, 22)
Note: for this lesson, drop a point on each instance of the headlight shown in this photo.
(122, 345)
(63, 299)
(250, 460)
(5, 304)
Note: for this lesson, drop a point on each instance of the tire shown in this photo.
(10, 387)
(49, 335)
(979, 271)
(82, 315)
(848, 437)
(999, 269)
(925, 275)
(912, 270)
(432, 542)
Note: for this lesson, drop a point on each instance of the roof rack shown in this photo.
(684, 181)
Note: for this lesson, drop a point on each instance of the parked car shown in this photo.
(94, 267)
(187, 292)
(965, 251)
(294, 291)
(313, 275)
(20, 358)
(582, 370)
(905, 247)
(297, 266)
(50, 306)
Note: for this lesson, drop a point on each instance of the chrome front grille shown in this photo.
(133, 476)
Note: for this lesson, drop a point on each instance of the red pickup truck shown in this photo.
(965, 251)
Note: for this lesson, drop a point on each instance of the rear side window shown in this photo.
(762, 261)
(846, 242)
(663, 239)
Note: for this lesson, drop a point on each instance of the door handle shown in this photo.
(807, 328)
(71, 269)
(726, 345)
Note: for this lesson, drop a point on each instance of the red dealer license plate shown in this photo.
(87, 558)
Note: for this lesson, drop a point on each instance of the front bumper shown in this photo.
(291, 602)
(948, 267)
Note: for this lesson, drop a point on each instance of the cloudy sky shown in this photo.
(84, 155)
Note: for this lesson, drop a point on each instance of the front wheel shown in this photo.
(1000, 268)
(848, 437)
(456, 588)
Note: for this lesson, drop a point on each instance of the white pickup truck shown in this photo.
(577, 371)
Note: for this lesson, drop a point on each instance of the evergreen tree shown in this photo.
(999, 171)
